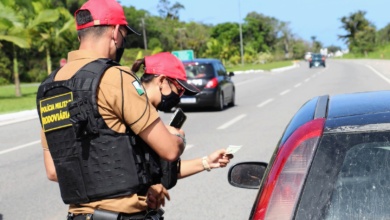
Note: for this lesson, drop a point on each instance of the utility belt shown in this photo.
(109, 215)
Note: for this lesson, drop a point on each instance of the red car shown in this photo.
(332, 162)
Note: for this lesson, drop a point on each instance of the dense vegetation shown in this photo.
(35, 35)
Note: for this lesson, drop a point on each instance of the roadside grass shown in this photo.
(380, 53)
(266, 66)
(10, 103)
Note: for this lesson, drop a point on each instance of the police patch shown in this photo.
(54, 112)
(138, 87)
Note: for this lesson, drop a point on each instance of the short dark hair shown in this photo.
(83, 17)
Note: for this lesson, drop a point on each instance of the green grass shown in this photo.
(380, 53)
(10, 103)
(266, 66)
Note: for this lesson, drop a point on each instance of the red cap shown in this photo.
(104, 12)
(167, 64)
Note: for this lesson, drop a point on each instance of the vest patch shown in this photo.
(54, 112)
(138, 87)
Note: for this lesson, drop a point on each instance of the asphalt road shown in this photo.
(265, 102)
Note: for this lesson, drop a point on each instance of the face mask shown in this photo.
(120, 50)
(119, 53)
(168, 101)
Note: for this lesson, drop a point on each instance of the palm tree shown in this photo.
(354, 24)
(48, 27)
(13, 30)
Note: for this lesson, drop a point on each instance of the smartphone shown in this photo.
(178, 118)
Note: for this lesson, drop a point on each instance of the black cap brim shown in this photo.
(190, 89)
(131, 31)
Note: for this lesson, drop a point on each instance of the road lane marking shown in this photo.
(234, 120)
(20, 147)
(307, 80)
(18, 120)
(285, 92)
(264, 103)
(379, 74)
(248, 81)
(188, 146)
(298, 85)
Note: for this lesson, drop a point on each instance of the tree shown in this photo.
(353, 25)
(365, 41)
(169, 12)
(383, 35)
(261, 31)
(48, 27)
(13, 30)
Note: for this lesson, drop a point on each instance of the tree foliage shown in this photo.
(361, 33)
(36, 34)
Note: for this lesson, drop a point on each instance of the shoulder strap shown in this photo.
(50, 78)
(91, 75)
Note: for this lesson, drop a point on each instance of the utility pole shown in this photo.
(241, 43)
(144, 33)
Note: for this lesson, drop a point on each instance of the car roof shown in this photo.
(357, 111)
(345, 112)
(361, 103)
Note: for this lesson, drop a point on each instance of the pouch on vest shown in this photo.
(82, 118)
(169, 173)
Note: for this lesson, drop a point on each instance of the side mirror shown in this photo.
(231, 73)
(247, 174)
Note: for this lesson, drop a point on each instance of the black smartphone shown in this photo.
(178, 118)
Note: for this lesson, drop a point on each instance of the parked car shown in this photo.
(210, 77)
(332, 162)
(316, 60)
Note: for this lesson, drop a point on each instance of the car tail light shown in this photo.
(287, 175)
(212, 83)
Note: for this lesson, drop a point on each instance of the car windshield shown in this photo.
(316, 56)
(349, 178)
(199, 71)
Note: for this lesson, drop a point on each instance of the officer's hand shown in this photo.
(156, 196)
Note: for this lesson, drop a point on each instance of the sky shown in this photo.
(307, 18)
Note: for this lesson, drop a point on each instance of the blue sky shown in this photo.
(320, 18)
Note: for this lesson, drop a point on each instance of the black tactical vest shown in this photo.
(92, 161)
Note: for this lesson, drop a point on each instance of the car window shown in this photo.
(316, 56)
(197, 70)
(221, 69)
(349, 178)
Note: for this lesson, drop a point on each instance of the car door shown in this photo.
(226, 85)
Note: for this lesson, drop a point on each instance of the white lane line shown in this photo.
(249, 81)
(18, 120)
(188, 147)
(285, 92)
(19, 147)
(264, 103)
(307, 80)
(298, 85)
(234, 120)
(379, 74)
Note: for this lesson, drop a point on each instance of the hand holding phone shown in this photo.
(178, 118)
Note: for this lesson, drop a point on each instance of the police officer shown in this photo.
(165, 81)
(101, 137)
